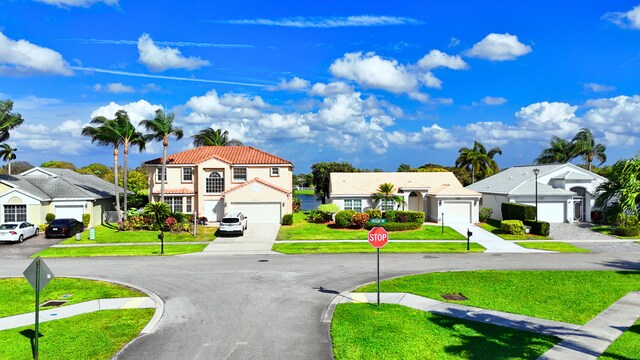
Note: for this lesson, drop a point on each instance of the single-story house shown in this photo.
(565, 192)
(214, 180)
(437, 194)
(30, 195)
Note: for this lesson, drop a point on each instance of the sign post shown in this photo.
(195, 222)
(378, 238)
(38, 275)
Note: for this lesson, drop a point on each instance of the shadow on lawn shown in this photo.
(31, 335)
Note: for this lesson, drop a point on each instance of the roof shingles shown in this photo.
(234, 155)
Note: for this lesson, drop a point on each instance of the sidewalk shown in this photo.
(493, 243)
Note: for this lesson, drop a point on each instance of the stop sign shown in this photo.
(378, 237)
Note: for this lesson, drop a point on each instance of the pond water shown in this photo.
(308, 202)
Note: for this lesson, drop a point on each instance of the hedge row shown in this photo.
(403, 216)
(538, 227)
(513, 211)
(626, 230)
(395, 226)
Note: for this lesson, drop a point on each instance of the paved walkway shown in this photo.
(493, 243)
(257, 239)
(63, 312)
(578, 342)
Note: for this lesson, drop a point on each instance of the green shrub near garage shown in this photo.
(343, 218)
(287, 219)
(515, 227)
(374, 213)
(86, 219)
(626, 231)
(538, 227)
(513, 211)
(403, 216)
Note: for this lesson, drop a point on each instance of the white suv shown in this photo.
(233, 223)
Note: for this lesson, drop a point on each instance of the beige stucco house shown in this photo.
(438, 194)
(215, 180)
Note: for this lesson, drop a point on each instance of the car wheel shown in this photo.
(37, 232)
(20, 238)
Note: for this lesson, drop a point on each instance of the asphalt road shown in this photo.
(239, 307)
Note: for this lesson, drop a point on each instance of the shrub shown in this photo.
(359, 219)
(42, 227)
(515, 227)
(374, 213)
(186, 227)
(412, 216)
(626, 231)
(327, 210)
(86, 219)
(170, 222)
(343, 218)
(202, 220)
(485, 214)
(538, 227)
(391, 215)
(50, 217)
(180, 217)
(513, 211)
(297, 204)
(287, 219)
(315, 216)
(395, 226)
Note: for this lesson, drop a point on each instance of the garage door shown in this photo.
(69, 211)
(551, 212)
(457, 212)
(259, 213)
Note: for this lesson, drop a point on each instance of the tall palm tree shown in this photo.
(161, 127)
(8, 153)
(621, 192)
(585, 145)
(214, 137)
(478, 161)
(104, 133)
(559, 151)
(8, 120)
(386, 192)
(129, 136)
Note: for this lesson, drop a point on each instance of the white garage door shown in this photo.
(69, 212)
(456, 213)
(259, 213)
(551, 212)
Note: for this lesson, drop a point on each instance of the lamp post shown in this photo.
(536, 171)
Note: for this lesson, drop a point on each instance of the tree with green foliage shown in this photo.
(161, 128)
(321, 176)
(100, 170)
(621, 193)
(560, 151)
(21, 166)
(129, 136)
(386, 192)
(479, 162)
(59, 165)
(214, 137)
(404, 168)
(159, 211)
(8, 119)
(8, 153)
(584, 145)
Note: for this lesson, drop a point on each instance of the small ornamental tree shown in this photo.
(158, 211)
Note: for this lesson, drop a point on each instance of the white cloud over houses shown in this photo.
(332, 88)
(295, 84)
(78, 3)
(628, 19)
(618, 118)
(21, 58)
(493, 100)
(372, 71)
(137, 111)
(436, 59)
(499, 47)
(63, 139)
(231, 106)
(159, 59)
(114, 88)
(595, 87)
(328, 22)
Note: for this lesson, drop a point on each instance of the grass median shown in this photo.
(108, 234)
(553, 246)
(365, 247)
(123, 250)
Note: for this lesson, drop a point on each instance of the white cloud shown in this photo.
(493, 100)
(372, 71)
(236, 106)
(593, 87)
(163, 58)
(454, 42)
(627, 20)
(430, 80)
(499, 47)
(78, 3)
(24, 58)
(65, 138)
(114, 88)
(554, 118)
(328, 22)
(137, 111)
(295, 84)
(618, 118)
(436, 59)
(165, 43)
(332, 88)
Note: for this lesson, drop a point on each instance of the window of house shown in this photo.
(174, 202)
(239, 174)
(15, 213)
(214, 184)
(188, 207)
(386, 205)
(187, 174)
(275, 171)
(159, 175)
(353, 204)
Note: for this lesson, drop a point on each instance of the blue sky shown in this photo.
(375, 84)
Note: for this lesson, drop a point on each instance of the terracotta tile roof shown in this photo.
(176, 191)
(261, 182)
(230, 154)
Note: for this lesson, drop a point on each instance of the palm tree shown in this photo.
(161, 128)
(478, 160)
(8, 153)
(621, 193)
(128, 136)
(404, 167)
(386, 192)
(8, 120)
(214, 137)
(585, 145)
(559, 151)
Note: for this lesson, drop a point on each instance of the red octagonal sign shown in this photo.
(378, 237)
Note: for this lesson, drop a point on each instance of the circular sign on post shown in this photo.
(378, 237)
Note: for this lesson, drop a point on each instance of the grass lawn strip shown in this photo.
(304, 230)
(493, 226)
(365, 247)
(304, 192)
(364, 331)
(606, 230)
(106, 234)
(97, 335)
(553, 246)
(133, 250)
(627, 346)
(17, 296)
(567, 296)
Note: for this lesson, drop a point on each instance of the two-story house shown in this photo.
(215, 180)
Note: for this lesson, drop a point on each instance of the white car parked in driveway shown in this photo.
(17, 231)
(233, 223)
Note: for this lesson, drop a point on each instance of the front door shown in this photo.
(577, 209)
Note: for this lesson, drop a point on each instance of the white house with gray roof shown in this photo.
(29, 196)
(566, 192)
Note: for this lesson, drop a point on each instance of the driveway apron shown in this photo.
(257, 239)
(493, 243)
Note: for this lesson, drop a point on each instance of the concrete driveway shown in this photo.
(30, 246)
(595, 241)
(257, 239)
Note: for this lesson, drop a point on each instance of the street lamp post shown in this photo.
(536, 171)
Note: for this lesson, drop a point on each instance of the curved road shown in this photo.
(240, 307)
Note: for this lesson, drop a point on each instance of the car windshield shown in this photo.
(7, 226)
(59, 222)
(230, 220)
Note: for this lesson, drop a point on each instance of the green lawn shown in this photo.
(126, 250)
(304, 230)
(606, 230)
(493, 226)
(18, 297)
(626, 346)
(365, 247)
(107, 234)
(304, 192)
(97, 335)
(553, 246)
(364, 331)
(568, 296)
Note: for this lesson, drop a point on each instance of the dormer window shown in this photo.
(187, 174)
(239, 174)
(275, 171)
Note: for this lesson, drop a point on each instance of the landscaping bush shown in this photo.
(180, 217)
(42, 227)
(297, 204)
(327, 210)
(626, 231)
(538, 227)
(343, 218)
(515, 227)
(395, 226)
(50, 217)
(391, 215)
(86, 219)
(315, 216)
(170, 223)
(413, 216)
(359, 219)
(485, 214)
(627, 220)
(374, 213)
(287, 219)
(513, 211)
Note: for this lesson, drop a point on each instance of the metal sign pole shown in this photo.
(195, 222)
(378, 276)
(37, 309)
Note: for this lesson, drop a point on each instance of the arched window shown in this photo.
(215, 183)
